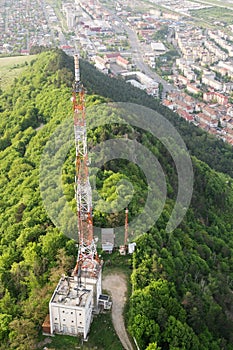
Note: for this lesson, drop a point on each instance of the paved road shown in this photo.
(138, 58)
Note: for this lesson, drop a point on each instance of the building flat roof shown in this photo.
(107, 235)
(70, 293)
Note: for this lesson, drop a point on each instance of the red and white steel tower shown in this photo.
(79, 295)
(87, 254)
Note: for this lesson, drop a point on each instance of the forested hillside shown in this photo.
(181, 281)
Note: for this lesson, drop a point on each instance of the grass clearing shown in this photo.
(11, 67)
(211, 14)
(219, 3)
(102, 336)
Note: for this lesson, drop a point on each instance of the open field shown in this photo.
(212, 14)
(219, 3)
(11, 67)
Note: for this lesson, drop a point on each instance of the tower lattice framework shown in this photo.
(87, 247)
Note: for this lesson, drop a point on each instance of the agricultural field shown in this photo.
(214, 14)
(220, 3)
(11, 67)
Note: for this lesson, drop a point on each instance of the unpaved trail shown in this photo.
(116, 285)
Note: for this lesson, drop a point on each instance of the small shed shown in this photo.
(46, 326)
(107, 239)
(104, 301)
(131, 247)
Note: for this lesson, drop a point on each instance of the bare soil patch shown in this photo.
(116, 285)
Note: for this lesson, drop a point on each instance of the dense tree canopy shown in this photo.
(181, 281)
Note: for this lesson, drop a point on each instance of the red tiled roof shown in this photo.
(112, 55)
(123, 60)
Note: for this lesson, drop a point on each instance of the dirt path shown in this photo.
(116, 285)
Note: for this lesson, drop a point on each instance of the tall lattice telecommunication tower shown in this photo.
(88, 264)
(77, 297)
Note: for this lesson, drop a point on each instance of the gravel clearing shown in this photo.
(116, 285)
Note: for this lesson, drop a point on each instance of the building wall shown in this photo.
(72, 320)
(95, 285)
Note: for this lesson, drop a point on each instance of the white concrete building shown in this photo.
(70, 20)
(212, 83)
(101, 64)
(151, 86)
(70, 308)
(227, 65)
(136, 84)
(158, 47)
(76, 298)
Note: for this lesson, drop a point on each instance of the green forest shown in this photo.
(181, 282)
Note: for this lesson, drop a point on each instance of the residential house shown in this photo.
(123, 62)
(210, 112)
(212, 83)
(188, 117)
(208, 121)
(193, 89)
(215, 96)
